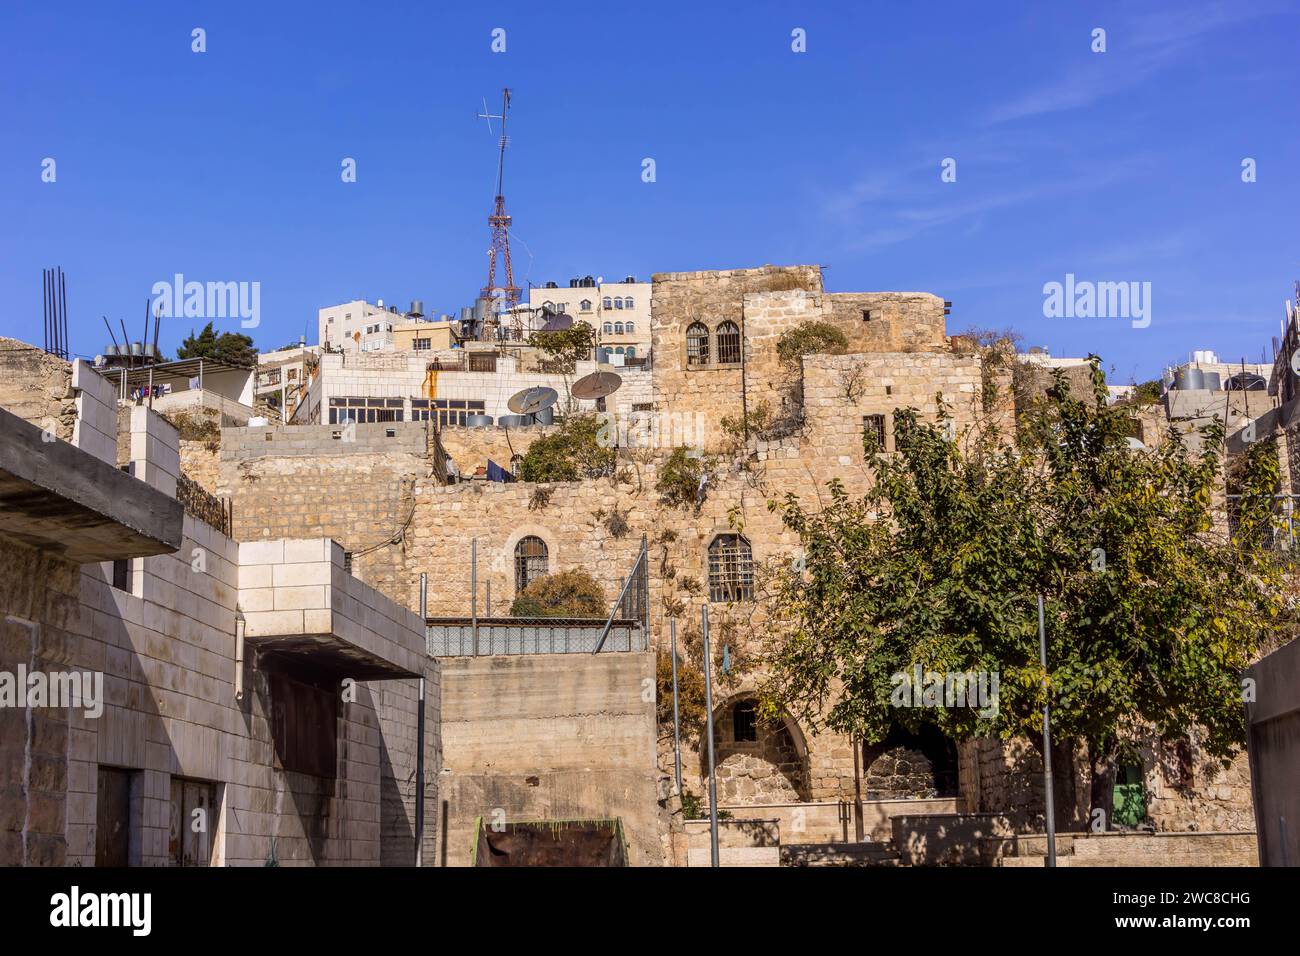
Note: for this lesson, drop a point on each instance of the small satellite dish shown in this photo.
(596, 385)
(532, 400)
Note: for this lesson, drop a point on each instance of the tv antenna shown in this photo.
(506, 296)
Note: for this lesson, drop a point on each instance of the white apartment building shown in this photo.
(618, 311)
(445, 386)
(359, 326)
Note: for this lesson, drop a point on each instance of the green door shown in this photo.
(1130, 801)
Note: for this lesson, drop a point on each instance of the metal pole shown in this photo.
(677, 724)
(419, 731)
(473, 588)
(859, 825)
(1047, 739)
(708, 706)
(488, 586)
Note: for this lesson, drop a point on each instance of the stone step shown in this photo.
(735, 856)
(839, 854)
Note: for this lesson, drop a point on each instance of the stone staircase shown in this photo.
(839, 854)
(1133, 849)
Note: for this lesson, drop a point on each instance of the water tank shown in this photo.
(546, 415)
(588, 282)
(1213, 381)
(467, 314)
(478, 421)
(1205, 357)
(137, 349)
(551, 285)
(417, 307)
(1189, 377)
(512, 421)
(110, 350)
(630, 280)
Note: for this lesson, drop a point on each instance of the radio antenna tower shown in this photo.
(505, 297)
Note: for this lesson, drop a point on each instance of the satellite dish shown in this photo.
(596, 385)
(558, 323)
(532, 400)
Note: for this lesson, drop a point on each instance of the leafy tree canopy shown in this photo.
(1151, 614)
(229, 347)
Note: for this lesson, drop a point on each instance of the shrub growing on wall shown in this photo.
(574, 452)
(573, 593)
(808, 338)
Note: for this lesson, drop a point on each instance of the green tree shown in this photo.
(1150, 615)
(229, 347)
(564, 348)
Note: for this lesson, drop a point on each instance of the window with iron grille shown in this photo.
(731, 569)
(874, 426)
(729, 343)
(482, 361)
(697, 344)
(744, 722)
(530, 561)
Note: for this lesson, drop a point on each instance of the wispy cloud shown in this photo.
(904, 204)
(1139, 48)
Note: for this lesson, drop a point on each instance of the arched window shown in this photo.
(618, 303)
(607, 303)
(728, 343)
(618, 328)
(697, 344)
(619, 350)
(631, 351)
(744, 722)
(585, 305)
(627, 303)
(731, 569)
(530, 561)
(609, 328)
(630, 327)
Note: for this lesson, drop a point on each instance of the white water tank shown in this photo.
(1205, 357)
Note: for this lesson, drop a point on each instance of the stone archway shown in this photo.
(906, 764)
(758, 761)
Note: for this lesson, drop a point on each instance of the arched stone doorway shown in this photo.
(758, 761)
(906, 764)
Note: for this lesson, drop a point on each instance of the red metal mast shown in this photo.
(506, 296)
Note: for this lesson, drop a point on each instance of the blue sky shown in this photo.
(225, 165)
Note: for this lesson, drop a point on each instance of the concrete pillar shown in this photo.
(155, 450)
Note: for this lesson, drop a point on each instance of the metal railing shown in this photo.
(469, 637)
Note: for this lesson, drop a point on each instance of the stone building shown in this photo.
(569, 736)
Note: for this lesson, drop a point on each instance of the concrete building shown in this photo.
(174, 697)
(618, 311)
(444, 386)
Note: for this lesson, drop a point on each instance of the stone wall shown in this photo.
(37, 387)
(549, 737)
